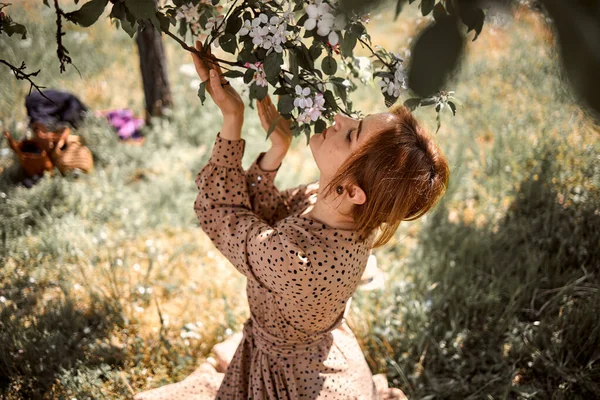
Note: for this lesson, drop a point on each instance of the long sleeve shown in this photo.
(268, 202)
(258, 250)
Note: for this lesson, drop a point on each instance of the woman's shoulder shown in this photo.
(308, 233)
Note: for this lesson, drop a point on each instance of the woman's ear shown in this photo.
(356, 195)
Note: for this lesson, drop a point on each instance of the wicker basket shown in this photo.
(45, 139)
(69, 153)
(32, 157)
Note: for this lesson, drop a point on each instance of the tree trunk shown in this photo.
(154, 71)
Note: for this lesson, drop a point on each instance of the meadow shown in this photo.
(108, 286)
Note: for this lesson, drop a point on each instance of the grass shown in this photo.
(108, 286)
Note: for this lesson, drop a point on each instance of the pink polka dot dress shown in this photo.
(300, 275)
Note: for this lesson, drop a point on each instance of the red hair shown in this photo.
(402, 172)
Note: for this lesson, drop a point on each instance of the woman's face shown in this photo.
(335, 144)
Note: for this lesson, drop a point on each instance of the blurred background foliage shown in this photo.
(108, 286)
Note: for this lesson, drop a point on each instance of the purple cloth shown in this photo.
(125, 124)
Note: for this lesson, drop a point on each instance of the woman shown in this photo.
(304, 250)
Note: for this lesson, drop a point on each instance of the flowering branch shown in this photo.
(210, 60)
(260, 35)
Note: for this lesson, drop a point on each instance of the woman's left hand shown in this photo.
(225, 97)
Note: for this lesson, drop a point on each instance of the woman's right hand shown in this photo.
(225, 97)
(281, 137)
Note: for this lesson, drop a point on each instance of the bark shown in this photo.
(153, 66)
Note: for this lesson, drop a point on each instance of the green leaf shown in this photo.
(340, 90)
(141, 9)
(389, 100)
(330, 100)
(272, 65)
(117, 11)
(320, 126)
(428, 101)
(473, 18)
(182, 28)
(399, 6)
(249, 75)
(11, 28)
(164, 21)
(452, 107)
(281, 91)
(307, 133)
(293, 62)
(128, 26)
(88, 13)
(228, 43)
(234, 24)
(413, 103)
(329, 65)
(439, 12)
(257, 91)
(273, 81)
(348, 44)
(427, 6)
(302, 20)
(285, 104)
(273, 125)
(435, 55)
(202, 92)
(233, 74)
(305, 60)
(246, 56)
(315, 50)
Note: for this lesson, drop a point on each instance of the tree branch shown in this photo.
(375, 54)
(20, 74)
(61, 50)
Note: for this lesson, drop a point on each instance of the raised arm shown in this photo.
(267, 201)
(224, 96)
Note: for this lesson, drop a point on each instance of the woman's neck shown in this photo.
(330, 210)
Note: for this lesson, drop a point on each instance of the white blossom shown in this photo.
(288, 14)
(320, 16)
(302, 100)
(390, 87)
(214, 23)
(266, 33)
(363, 65)
(393, 86)
(189, 13)
(317, 108)
(400, 77)
(259, 76)
(279, 36)
(304, 117)
(245, 28)
(313, 111)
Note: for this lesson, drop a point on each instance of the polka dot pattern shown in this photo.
(300, 276)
